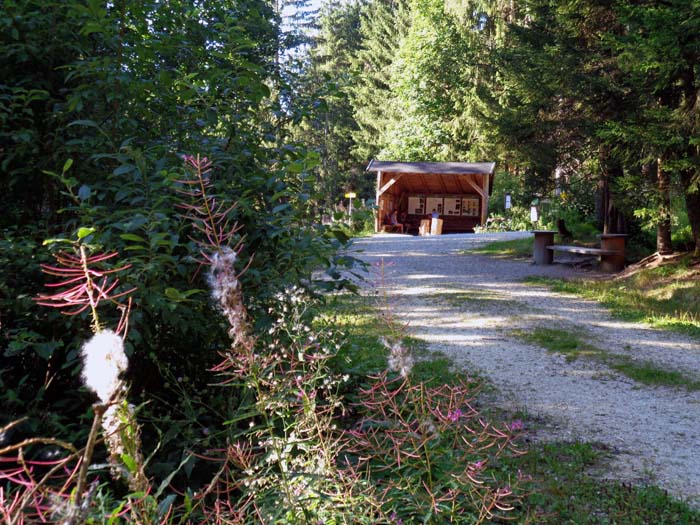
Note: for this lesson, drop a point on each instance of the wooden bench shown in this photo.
(387, 228)
(611, 251)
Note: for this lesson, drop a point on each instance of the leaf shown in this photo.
(174, 294)
(129, 462)
(91, 27)
(132, 237)
(14, 348)
(84, 232)
(242, 415)
(166, 481)
(45, 350)
(280, 207)
(55, 240)
(84, 122)
(341, 236)
(84, 192)
(124, 169)
(67, 165)
(164, 506)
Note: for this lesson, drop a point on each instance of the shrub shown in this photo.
(515, 219)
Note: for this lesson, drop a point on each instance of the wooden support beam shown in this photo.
(378, 218)
(389, 184)
(424, 183)
(476, 187)
(485, 200)
(379, 185)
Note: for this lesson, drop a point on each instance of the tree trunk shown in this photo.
(691, 189)
(611, 218)
(663, 228)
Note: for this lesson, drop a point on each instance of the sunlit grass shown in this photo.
(511, 248)
(650, 374)
(667, 297)
(560, 341)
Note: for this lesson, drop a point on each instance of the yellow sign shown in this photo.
(351, 195)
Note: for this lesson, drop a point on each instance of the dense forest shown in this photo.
(191, 148)
(595, 100)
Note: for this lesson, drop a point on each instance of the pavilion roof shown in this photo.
(438, 168)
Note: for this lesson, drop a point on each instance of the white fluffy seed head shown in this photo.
(222, 275)
(400, 359)
(103, 360)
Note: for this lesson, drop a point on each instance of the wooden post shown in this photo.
(378, 218)
(540, 253)
(614, 242)
(485, 200)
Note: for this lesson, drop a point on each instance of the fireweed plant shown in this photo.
(426, 453)
(280, 465)
(57, 490)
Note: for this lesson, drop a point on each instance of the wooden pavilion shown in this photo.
(458, 191)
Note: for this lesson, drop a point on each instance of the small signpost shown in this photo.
(508, 202)
(534, 216)
(350, 195)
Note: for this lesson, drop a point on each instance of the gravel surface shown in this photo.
(471, 308)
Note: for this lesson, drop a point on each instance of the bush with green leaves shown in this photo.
(516, 218)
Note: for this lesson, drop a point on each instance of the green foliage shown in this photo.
(97, 104)
(580, 97)
(383, 25)
(328, 126)
(516, 218)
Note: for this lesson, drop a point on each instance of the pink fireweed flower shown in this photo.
(516, 425)
(455, 415)
(478, 465)
(209, 215)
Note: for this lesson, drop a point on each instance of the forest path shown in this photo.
(475, 309)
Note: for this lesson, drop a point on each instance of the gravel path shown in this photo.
(471, 307)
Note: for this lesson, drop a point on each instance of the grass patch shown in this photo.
(512, 248)
(571, 344)
(472, 298)
(564, 491)
(560, 341)
(650, 374)
(666, 297)
(361, 353)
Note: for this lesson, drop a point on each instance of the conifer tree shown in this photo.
(383, 25)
